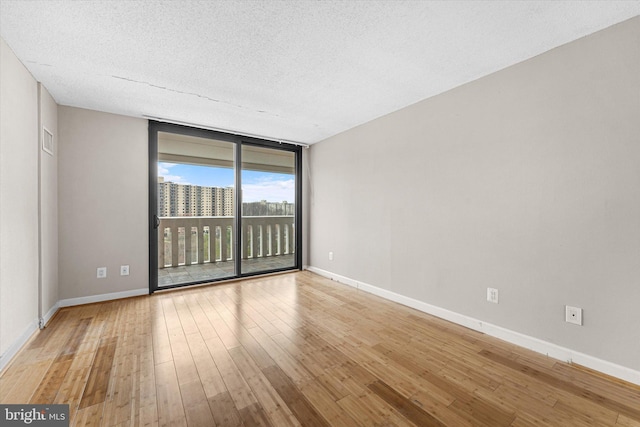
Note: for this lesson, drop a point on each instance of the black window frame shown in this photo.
(239, 141)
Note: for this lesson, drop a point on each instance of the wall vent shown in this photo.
(47, 141)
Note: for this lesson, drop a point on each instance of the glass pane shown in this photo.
(268, 209)
(196, 181)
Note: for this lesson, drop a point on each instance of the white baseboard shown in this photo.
(531, 343)
(6, 357)
(103, 297)
(342, 279)
(51, 312)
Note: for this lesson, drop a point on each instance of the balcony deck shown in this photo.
(170, 276)
(186, 242)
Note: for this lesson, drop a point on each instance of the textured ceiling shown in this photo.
(290, 70)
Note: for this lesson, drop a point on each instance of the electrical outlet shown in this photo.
(330, 256)
(102, 272)
(492, 295)
(124, 270)
(573, 315)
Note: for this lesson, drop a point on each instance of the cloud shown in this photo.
(269, 190)
(163, 171)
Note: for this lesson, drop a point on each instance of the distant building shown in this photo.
(195, 200)
(264, 208)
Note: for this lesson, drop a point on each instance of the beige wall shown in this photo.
(527, 180)
(62, 216)
(18, 202)
(48, 118)
(306, 199)
(103, 202)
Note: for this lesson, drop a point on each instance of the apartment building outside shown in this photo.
(193, 200)
(175, 200)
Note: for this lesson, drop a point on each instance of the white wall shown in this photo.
(306, 200)
(62, 216)
(527, 180)
(48, 118)
(103, 204)
(18, 203)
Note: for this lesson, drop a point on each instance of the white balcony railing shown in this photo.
(184, 241)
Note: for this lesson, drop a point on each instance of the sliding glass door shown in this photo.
(201, 228)
(268, 209)
(195, 209)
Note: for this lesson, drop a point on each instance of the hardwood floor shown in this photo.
(297, 349)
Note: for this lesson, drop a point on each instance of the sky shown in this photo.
(256, 186)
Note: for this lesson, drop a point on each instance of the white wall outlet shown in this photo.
(573, 315)
(330, 256)
(124, 270)
(102, 272)
(492, 295)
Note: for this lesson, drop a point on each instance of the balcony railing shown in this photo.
(186, 241)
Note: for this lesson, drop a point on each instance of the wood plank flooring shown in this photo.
(297, 350)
